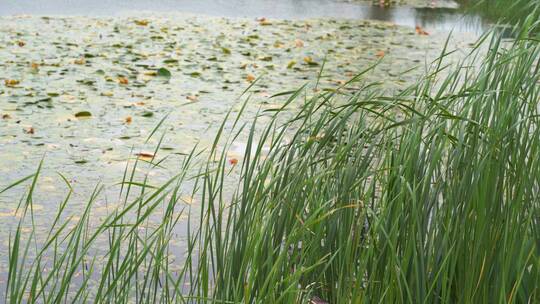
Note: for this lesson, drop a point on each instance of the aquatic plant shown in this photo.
(502, 11)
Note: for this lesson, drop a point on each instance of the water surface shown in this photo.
(439, 19)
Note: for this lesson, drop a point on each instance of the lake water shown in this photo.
(443, 18)
(67, 65)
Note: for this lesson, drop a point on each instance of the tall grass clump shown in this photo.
(430, 196)
(513, 12)
(427, 196)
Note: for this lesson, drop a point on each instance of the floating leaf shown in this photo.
(187, 199)
(250, 77)
(163, 72)
(141, 22)
(81, 162)
(170, 61)
(291, 64)
(233, 161)
(83, 114)
(420, 31)
(128, 120)
(147, 114)
(145, 155)
(150, 73)
(123, 80)
(11, 82)
(226, 50)
(264, 22)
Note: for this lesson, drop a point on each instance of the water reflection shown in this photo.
(438, 19)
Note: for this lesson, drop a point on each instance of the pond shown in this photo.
(85, 82)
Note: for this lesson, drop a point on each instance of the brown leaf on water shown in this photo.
(29, 130)
(299, 43)
(128, 120)
(264, 22)
(123, 80)
(250, 77)
(21, 43)
(192, 97)
(6, 116)
(144, 155)
(80, 61)
(233, 161)
(420, 31)
(380, 54)
(11, 82)
(34, 65)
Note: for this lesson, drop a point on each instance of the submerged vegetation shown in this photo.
(427, 196)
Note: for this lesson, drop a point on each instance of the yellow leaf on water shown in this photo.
(150, 73)
(187, 199)
(250, 77)
(279, 44)
(291, 64)
(141, 22)
(11, 82)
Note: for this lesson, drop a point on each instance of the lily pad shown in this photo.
(147, 114)
(83, 114)
(163, 72)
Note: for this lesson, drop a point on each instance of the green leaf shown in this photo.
(83, 114)
(226, 50)
(163, 72)
(170, 61)
(147, 114)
